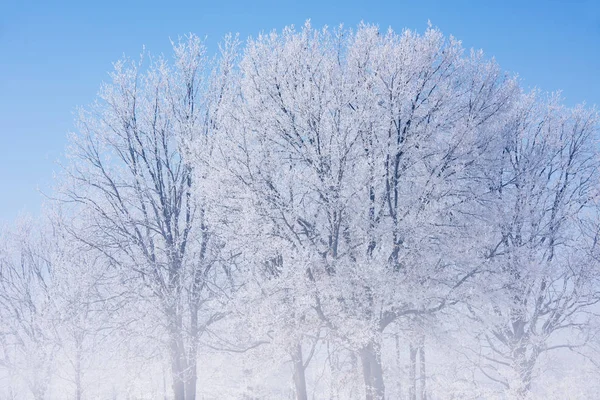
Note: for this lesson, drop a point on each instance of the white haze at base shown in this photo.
(332, 190)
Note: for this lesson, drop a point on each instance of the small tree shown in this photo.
(542, 215)
(29, 347)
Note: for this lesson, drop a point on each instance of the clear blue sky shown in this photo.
(55, 54)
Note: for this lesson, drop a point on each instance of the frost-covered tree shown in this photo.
(90, 299)
(132, 181)
(542, 223)
(28, 346)
(356, 147)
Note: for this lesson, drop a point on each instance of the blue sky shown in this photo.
(55, 54)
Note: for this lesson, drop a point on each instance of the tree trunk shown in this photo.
(164, 384)
(249, 389)
(191, 372)
(372, 371)
(177, 371)
(525, 371)
(522, 364)
(412, 376)
(178, 358)
(192, 378)
(299, 376)
(422, 374)
(398, 366)
(78, 389)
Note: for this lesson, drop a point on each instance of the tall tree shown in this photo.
(131, 176)
(356, 147)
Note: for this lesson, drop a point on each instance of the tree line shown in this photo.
(311, 214)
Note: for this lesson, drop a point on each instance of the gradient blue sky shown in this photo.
(55, 54)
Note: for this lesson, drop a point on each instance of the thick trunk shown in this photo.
(178, 360)
(299, 375)
(372, 371)
(523, 363)
(523, 390)
(192, 378)
(525, 372)
(177, 371)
